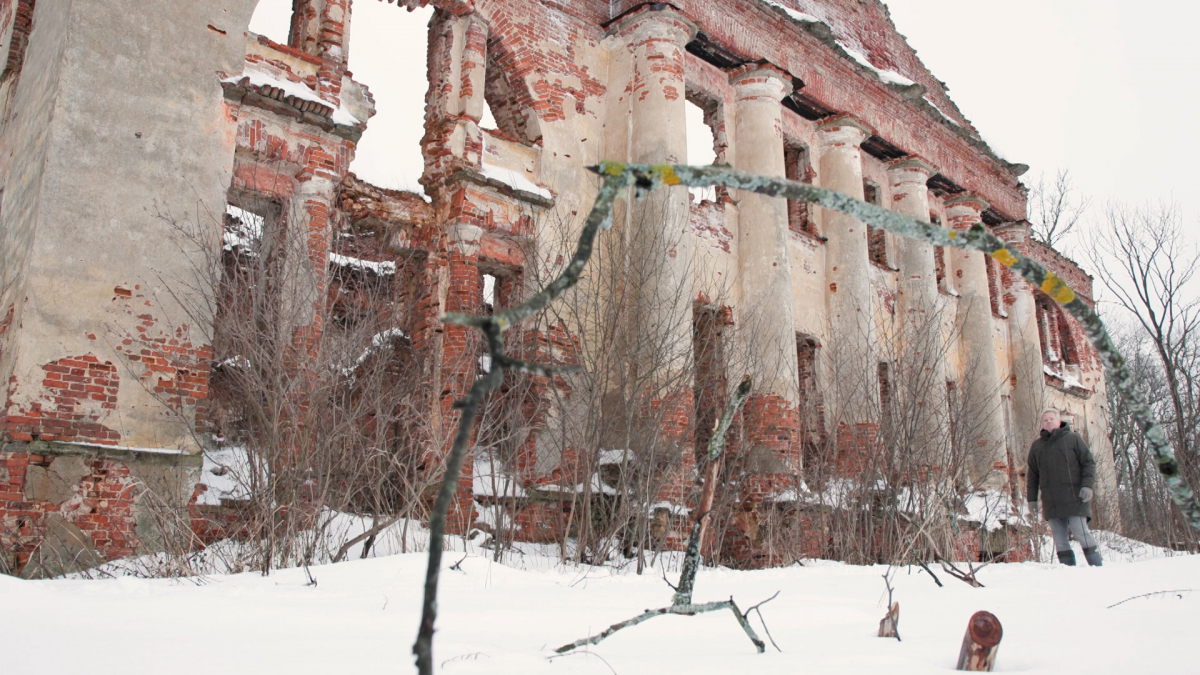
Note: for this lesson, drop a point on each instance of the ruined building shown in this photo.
(125, 123)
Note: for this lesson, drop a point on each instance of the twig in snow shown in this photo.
(668, 581)
(763, 620)
(586, 653)
(458, 565)
(966, 577)
(931, 574)
(889, 626)
(1150, 595)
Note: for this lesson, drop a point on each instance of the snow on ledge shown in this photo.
(885, 76)
(940, 111)
(127, 448)
(793, 13)
(514, 180)
(341, 115)
(673, 509)
(380, 268)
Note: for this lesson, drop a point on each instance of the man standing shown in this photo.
(1062, 468)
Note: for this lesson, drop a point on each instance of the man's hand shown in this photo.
(1085, 494)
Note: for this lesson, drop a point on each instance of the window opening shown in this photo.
(798, 167)
(939, 268)
(876, 237)
(701, 148)
(995, 286)
(487, 120)
(810, 401)
(885, 395)
(389, 153)
(489, 293)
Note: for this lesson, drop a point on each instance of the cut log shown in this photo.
(889, 624)
(980, 643)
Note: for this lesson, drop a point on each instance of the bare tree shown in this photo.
(1145, 507)
(1148, 264)
(1055, 208)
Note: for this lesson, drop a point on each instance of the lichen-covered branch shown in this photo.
(648, 177)
(493, 328)
(691, 559)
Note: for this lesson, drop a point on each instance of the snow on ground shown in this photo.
(507, 618)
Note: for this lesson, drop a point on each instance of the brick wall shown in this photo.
(91, 498)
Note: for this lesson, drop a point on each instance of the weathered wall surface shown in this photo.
(136, 142)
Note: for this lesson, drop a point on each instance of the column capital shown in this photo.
(911, 169)
(649, 23)
(761, 80)
(969, 201)
(844, 130)
(1014, 232)
(964, 210)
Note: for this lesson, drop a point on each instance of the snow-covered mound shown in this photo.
(507, 618)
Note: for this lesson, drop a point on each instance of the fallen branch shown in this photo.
(766, 630)
(683, 610)
(375, 529)
(967, 577)
(681, 603)
(1151, 595)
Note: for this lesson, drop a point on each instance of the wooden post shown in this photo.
(889, 623)
(980, 644)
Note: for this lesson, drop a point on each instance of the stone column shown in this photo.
(851, 363)
(1028, 389)
(661, 245)
(983, 432)
(767, 327)
(765, 302)
(921, 367)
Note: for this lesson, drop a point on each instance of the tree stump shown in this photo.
(888, 624)
(980, 643)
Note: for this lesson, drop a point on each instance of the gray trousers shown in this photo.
(1077, 526)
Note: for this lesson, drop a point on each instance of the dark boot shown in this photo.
(1093, 556)
(1067, 557)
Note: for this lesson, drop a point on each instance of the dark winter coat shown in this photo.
(1060, 463)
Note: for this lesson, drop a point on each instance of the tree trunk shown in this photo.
(980, 643)
(889, 624)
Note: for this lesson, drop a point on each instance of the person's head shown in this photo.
(1050, 420)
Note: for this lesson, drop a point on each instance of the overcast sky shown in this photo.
(1105, 88)
(1108, 89)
